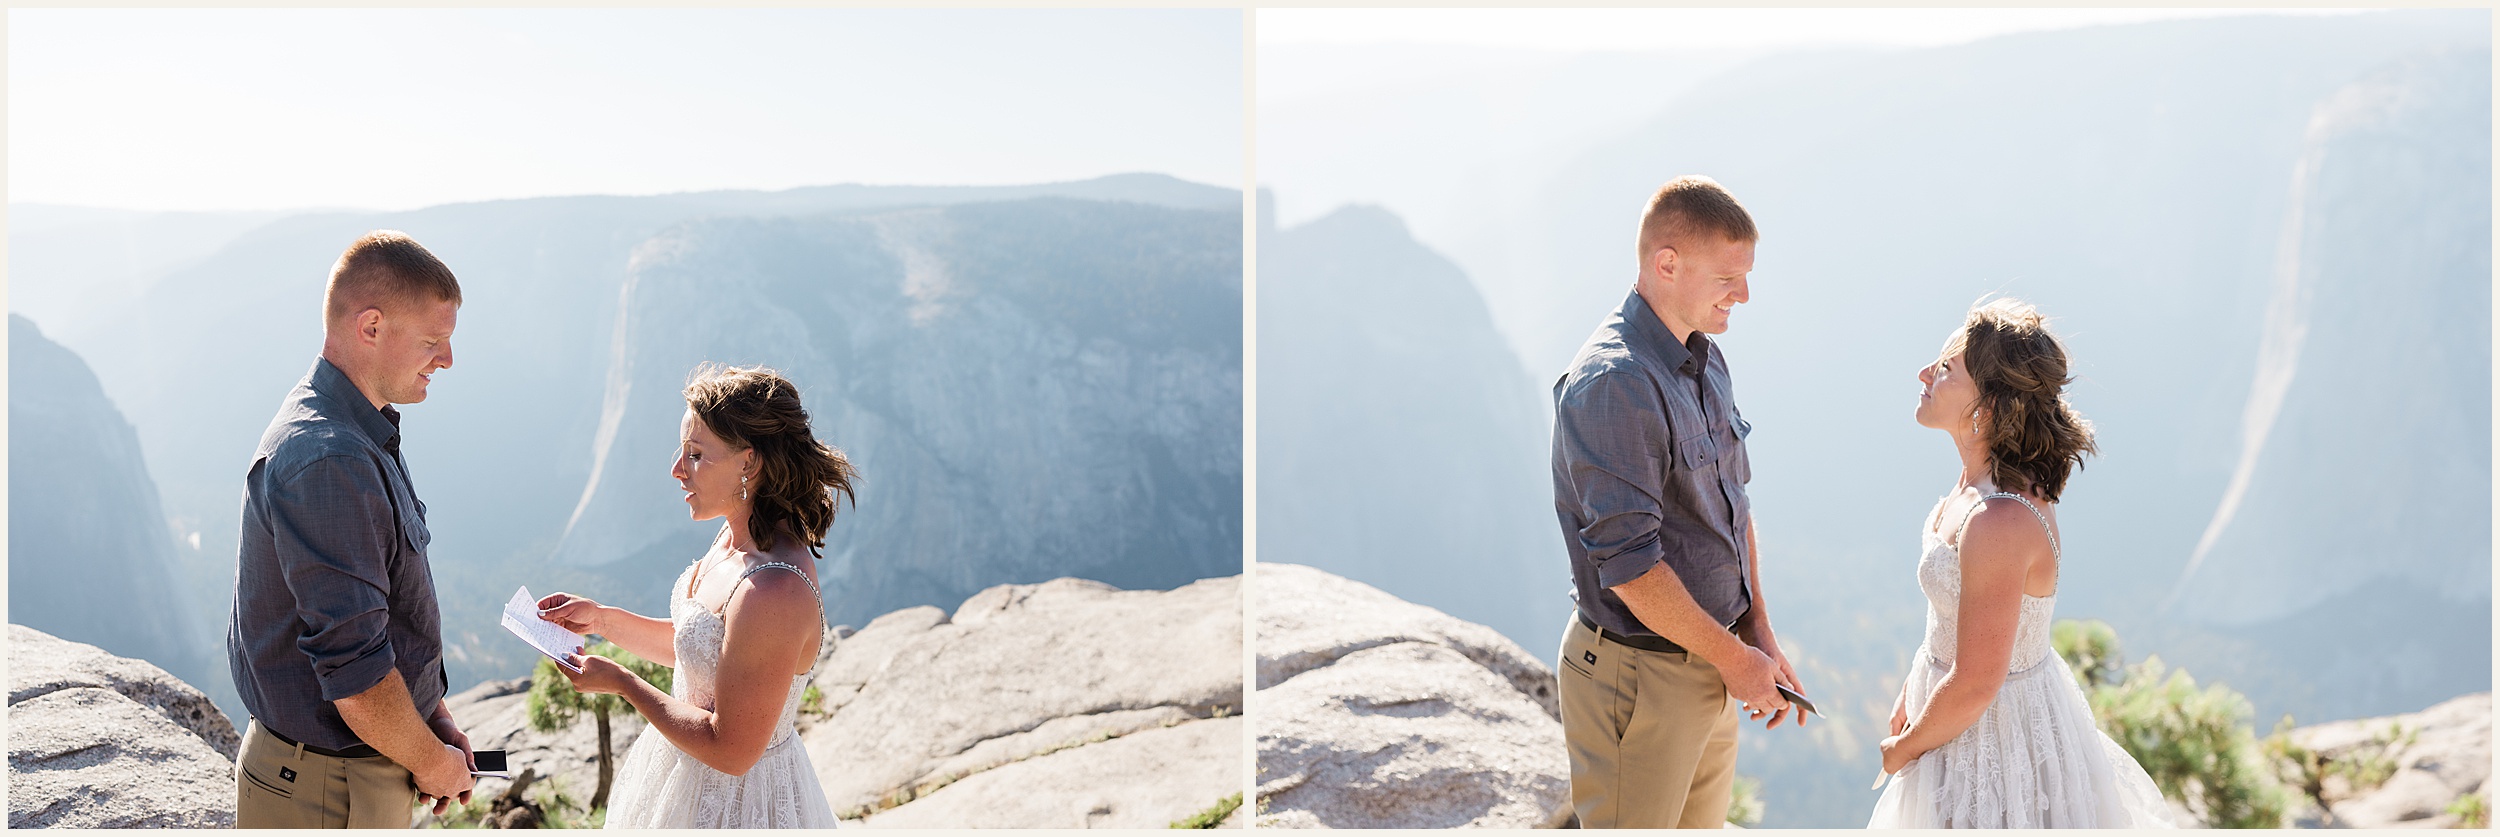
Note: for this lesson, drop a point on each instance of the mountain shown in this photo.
(1035, 383)
(1401, 440)
(1060, 398)
(93, 558)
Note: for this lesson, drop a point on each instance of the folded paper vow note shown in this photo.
(520, 616)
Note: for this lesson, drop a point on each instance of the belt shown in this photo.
(1645, 643)
(1659, 644)
(358, 750)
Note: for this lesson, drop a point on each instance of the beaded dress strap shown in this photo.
(2054, 551)
(815, 595)
(802, 574)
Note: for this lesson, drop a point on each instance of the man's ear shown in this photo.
(369, 325)
(1663, 263)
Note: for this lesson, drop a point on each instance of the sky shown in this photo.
(1631, 29)
(196, 109)
(1372, 105)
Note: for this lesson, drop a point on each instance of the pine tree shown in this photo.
(554, 705)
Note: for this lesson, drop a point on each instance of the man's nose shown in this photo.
(1744, 291)
(444, 362)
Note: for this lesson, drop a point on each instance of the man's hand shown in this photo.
(1757, 633)
(384, 717)
(1749, 678)
(449, 731)
(443, 779)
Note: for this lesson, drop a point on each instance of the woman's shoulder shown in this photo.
(779, 573)
(2003, 525)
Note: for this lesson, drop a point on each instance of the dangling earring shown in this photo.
(1974, 423)
(742, 488)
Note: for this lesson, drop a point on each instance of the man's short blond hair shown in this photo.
(1688, 206)
(388, 270)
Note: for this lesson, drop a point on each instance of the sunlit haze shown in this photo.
(180, 109)
(1628, 29)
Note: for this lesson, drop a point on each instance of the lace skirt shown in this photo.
(659, 786)
(2034, 760)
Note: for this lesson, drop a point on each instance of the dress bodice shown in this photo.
(698, 636)
(1940, 577)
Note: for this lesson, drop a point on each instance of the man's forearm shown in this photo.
(1758, 614)
(1659, 600)
(385, 718)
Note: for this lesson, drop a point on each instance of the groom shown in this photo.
(335, 641)
(1649, 483)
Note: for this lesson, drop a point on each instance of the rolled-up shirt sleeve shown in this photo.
(1610, 438)
(332, 525)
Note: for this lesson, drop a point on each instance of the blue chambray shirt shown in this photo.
(332, 588)
(1649, 466)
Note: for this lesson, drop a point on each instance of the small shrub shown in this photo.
(2370, 765)
(812, 701)
(2090, 648)
(1211, 817)
(471, 814)
(1745, 807)
(2195, 743)
(553, 704)
(2471, 811)
(2300, 767)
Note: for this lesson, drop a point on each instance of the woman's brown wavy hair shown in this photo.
(796, 476)
(2035, 438)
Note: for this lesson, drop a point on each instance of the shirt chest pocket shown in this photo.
(411, 520)
(1725, 447)
(1696, 452)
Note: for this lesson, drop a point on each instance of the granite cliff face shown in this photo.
(93, 558)
(1052, 386)
(1377, 713)
(100, 741)
(1406, 444)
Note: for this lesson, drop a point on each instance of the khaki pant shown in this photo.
(278, 785)
(1652, 735)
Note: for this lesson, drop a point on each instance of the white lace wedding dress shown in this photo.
(660, 786)
(2035, 759)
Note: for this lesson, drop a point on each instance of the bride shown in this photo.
(1991, 730)
(745, 620)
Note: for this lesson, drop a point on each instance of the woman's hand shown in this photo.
(1901, 711)
(1896, 756)
(573, 613)
(599, 675)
